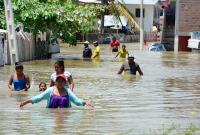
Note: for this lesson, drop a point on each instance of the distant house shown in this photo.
(187, 21)
(181, 20)
(149, 11)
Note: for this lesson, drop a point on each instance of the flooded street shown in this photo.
(168, 93)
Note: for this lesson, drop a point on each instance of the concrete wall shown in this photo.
(148, 17)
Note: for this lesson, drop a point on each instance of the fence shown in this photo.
(28, 48)
(106, 38)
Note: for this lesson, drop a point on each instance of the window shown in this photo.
(137, 12)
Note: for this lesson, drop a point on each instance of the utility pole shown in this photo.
(104, 3)
(11, 32)
(141, 26)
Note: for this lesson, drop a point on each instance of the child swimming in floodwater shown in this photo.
(58, 96)
(42, 86)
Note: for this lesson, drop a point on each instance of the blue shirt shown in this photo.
(19, 84)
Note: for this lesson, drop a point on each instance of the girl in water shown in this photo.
(19, 79)
(60, 69)
(57, 96)
(42, 86)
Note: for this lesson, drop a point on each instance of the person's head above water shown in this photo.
(61, 81)
(96, 43)
(123, 46)
(19, 68)
(113, 38)
(59, 66)
(42, 86)
(131, 58)
(18, 65)
(86, 42)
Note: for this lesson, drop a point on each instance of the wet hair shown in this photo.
(124, 46)
(42, 83)
(18, 66)
(96, 43)
(114, 38)
(61, 64)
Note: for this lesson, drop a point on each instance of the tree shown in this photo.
(61, 17)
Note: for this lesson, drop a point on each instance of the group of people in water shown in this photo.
(60, 93)
(128, 66)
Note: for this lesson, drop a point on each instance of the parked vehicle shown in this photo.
(157, 47)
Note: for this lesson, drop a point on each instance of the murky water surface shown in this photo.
(167, 93)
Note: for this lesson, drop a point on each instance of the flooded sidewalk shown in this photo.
(168, 93)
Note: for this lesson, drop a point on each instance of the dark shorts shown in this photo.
(115, 50)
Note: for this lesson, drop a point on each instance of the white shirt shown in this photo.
(67, 75)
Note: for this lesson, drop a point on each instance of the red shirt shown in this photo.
(115, 43)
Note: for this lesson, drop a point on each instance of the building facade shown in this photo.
(187, 21)
(148, 12)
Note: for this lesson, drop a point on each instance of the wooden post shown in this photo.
(141, 26)
(11, 32)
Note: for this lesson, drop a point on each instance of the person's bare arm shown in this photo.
(140, 71)
(96, 55)
(25, 102)
(10, 83)
(121, 69)
(117, 55)
(27, 83)
(52, 83)
(71, 83)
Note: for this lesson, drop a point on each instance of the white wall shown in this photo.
(148, 17)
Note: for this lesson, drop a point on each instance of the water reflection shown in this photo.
(132, 78)
(19, 95)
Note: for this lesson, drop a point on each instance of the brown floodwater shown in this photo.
(168, 93)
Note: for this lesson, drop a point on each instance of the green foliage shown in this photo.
(2, 16)
(58, 16)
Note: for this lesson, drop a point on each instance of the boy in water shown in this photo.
(123, 52)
